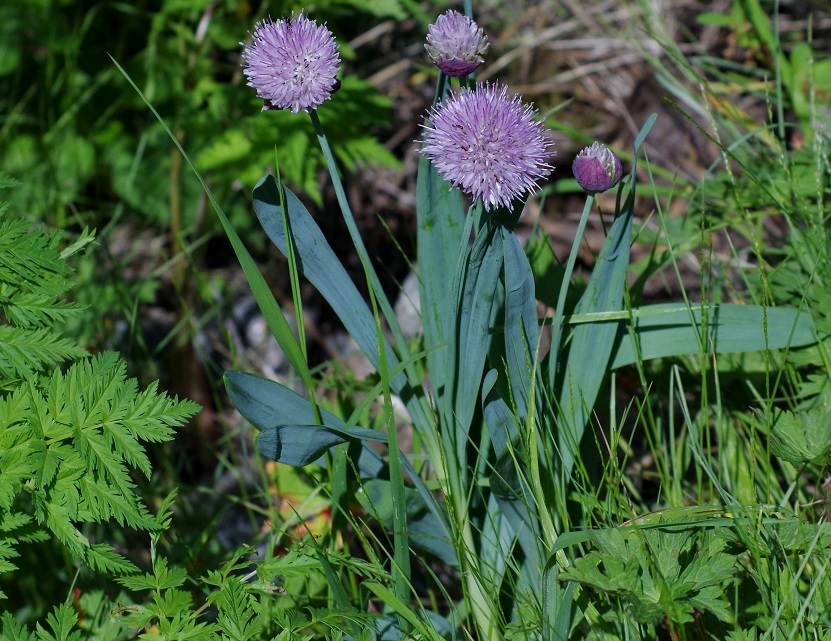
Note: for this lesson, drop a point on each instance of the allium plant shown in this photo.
(498, 420)
(488, 144)
(456, 44)
(292, 63)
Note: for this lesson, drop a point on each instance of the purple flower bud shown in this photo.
(597, 168)
(488, 144)
(456, 44)
(292, 63)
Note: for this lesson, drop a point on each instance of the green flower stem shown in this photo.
(346, 210)
(557, 330)
(372, 278)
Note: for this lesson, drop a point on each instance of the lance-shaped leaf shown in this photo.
(521, 330)
(591, 343)
(440, 217)
(318, 262)
(289, 436)
(267, 404)
(300, 445)
(472, 338)
(673, 330)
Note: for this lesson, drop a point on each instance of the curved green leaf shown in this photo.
(521, 330)
(472, 338)
(673, 330)
(592, 343)
(300, 445)
(267, 404)
(320, 265)
(440, 217)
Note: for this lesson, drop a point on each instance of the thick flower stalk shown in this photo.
(456, 44)
(597, 168)
(292, 63)
(488, 144)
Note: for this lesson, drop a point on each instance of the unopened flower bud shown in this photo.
(456, 44)
(597, 168)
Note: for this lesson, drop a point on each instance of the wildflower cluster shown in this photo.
(481, 140)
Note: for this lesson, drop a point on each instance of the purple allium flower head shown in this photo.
(292, 63)
(456, 44)
(597, 168)
(488, 144)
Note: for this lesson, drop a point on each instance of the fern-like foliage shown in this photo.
(70, 443)
(33, 276)
(69, 438)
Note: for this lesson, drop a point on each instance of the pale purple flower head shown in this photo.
(456, 44)
(488, 144)
(597, 168)
(292, 63)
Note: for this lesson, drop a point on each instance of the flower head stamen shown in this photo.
(292, 63)
(488, 144)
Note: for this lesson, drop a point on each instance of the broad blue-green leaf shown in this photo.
(318, 262)
(267, 404)
(300, 445)
(474, 321)
(506, 481)
(673, 330)
(591, 344)
(521, 331)
(320, 265)
(500, 421)
(440, 216)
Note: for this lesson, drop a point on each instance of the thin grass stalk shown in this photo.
(423, 418)
(294, 277)
(401, 546)
(557, 328)
(268, 305)
(354, 233)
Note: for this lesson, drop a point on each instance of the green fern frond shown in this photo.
(238, 611)
(71, 439)
(29, 259)
(11, 629)
(25, 351)
(161, 578)
(62, 620)
(35, 309)
(15, 462)
(82, 434)
(7, 181)
(104, 558)
(7, 552)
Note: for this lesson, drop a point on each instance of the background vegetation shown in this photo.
(698, 503)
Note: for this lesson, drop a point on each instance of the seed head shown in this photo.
(456, 44)
(488, 144)
(597, 168)
(292, 63)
